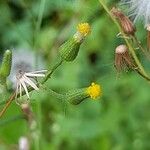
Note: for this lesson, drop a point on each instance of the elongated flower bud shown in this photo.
(69, 50)
(6, 65)
(125, 23)
(75, 97)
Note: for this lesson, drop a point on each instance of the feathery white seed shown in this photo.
(139, 9)
(23, 81)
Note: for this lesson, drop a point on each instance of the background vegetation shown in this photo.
(118, 121)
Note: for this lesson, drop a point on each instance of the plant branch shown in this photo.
(50, 72)
(140, 46)
(138, 63)
(8, 102)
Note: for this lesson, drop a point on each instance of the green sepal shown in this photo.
(75, 97)
(69, 50)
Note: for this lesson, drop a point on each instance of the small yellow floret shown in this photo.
(94, 90)
(84, 28)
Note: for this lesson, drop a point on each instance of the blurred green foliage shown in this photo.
(118, 121)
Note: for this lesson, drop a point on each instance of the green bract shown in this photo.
(75, 97)
(69, 50)
(5, 66)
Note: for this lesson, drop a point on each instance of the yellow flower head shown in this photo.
(94, 90)
(84, 28)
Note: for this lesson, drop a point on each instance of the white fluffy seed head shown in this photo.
(139, 9)
(121, 49)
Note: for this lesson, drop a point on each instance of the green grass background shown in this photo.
(120, 120)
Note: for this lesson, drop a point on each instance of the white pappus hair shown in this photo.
(139, 9)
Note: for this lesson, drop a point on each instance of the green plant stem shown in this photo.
(147, 55)
(40, 16)
(39, 107)
(54, 94)
(50, 72)
(139, 65)
(140, 73)
(39, 119)
(12, 97)
(37, 29)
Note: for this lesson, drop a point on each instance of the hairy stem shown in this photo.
(147, 55)
(50, 72)
(55, 94)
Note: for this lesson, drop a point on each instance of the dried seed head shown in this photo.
(125, 23)
(121, 49)
(123, 60)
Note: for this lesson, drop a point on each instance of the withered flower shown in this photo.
(125, 23)
(123, 61)
(26, 79)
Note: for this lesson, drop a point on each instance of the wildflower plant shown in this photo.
(127, 57)
(28, 81)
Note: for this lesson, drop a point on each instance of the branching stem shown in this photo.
(132, 51)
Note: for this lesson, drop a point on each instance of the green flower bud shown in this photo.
(75, 97)
(6, 65)
(69, 50)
